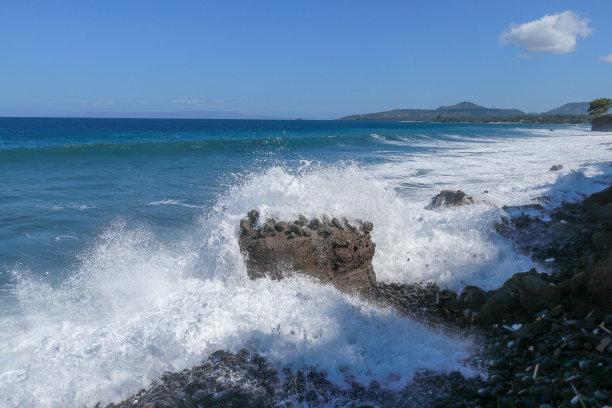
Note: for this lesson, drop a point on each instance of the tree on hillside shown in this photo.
(599, 107)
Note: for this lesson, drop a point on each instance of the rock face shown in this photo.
(450, 198)
(330, 250)
(602, 124)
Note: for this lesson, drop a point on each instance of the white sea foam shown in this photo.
(135, 308)
(413, 244)
(512, 170)
(174, 202)
(62, 237)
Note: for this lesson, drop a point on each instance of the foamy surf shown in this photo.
(135, 310)
(134, 306)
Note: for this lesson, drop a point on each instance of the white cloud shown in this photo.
(552, 33)
(607, 59)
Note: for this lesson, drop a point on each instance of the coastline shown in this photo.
(545, 349)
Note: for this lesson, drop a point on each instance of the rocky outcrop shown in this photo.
(332, 251)
(602, 124)
(556, 167)
(449, 198)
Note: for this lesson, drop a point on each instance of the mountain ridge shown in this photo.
(466, 110)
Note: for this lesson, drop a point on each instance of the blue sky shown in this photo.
(315, 59)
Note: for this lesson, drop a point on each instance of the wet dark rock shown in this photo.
(314, 224)
(598, 207)
(336, 223)
(201, 396)
(302, 221)
(245, 225)
(600, 395)
(556, 167)
(524, 293)
(367, 227)
(253, 215)
(472, 297)
(450, 198)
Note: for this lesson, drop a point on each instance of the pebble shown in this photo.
(584, 365)
(527, 380)
(201, 395)
(573, 378)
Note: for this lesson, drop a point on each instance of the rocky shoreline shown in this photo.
(546, 337)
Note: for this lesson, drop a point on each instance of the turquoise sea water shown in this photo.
(118, 252)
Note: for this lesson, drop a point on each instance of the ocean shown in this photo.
(119, 256)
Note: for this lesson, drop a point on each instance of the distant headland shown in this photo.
(572, 113)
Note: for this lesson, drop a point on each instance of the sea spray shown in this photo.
(412, 244)
(136, 309)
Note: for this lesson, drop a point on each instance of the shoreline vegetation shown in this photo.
(543, 339)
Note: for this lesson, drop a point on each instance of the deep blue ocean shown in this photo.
(119, 256)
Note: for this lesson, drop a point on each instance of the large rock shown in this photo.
(599, 285)
(449, 198)
(472, 297)
(602, 124)
(598, 207)
(591, 287)
(329, 250)
(524, 293)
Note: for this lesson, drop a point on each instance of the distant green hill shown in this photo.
(460, 110)
(573, 108)
(470, 112)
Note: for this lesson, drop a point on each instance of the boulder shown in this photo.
(471, 297)
(602, 124)
(556, 167)
(501, 304)
(598, 207)
(524, 293)
(599, 285)
(591, 287)
(449, 198)
(331, 251)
